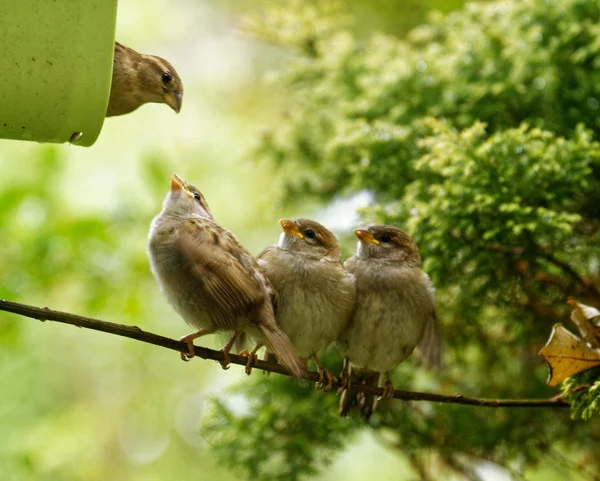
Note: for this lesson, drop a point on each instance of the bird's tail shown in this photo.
(283, 348)
(348, 401)
(368, 402)
(364, 402)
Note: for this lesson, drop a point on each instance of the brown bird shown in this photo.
(395, 311)
(210, 279)
(315, 295)
(138, 79)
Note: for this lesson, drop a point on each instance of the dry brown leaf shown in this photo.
(567, 354)
(587, 319)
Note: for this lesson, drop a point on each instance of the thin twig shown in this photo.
(497, 247)
(133, 332)
(570, 271)
(551, 258)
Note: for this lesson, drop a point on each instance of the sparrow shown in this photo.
(210, 279)
(395, 311)
(138, 79)
(315, 295)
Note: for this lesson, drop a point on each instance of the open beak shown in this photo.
(177, 183)
(365, 236)
(290, 227)
(173, 100)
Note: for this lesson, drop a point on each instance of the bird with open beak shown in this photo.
(138, 79)
(395, 312)
(315, 296)
(210, 279)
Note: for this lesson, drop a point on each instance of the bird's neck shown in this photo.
(183, 216)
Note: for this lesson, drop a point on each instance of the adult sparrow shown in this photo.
(395, 311)
(138, 79)
(210, 279)
(315, 295)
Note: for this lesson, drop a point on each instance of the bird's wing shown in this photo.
(266, 252)
(262, 259)
(429, 348)
(226, 271)
(122, 98)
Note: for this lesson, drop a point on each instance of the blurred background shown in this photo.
(77, 404)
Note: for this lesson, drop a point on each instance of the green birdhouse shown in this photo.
(56, 68)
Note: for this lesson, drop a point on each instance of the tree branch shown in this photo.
(569, 271)
(134, 332)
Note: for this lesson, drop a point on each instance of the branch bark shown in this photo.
(134, 332)
(569, 271)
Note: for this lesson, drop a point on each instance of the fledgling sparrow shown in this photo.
(395, 311)
(138, 79)
(315, 295)
(210, 279)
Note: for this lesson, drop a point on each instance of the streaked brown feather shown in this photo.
(228, 285)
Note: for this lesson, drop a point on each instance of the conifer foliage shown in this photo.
(478, 134)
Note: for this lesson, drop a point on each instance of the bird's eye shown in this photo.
(385, 238)
(197, 196)
(310, 234)
(167, 77)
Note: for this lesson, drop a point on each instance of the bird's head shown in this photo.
(161, 82)
(387, 242)
(185, 201)
(309, 238)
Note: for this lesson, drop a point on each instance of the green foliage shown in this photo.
(583, 391)
(489, 200)
(476, 134)
(277, 435)
(354, 104)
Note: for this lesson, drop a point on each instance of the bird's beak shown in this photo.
(365, 236)
(177, 183)
(173, 100)
(290, 227)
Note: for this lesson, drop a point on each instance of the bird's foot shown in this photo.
(388, 390)
(251, 360)
(267, 357)
(325, 375)
(227, 348)
(189, 340)
(344, 381)
(225, 362)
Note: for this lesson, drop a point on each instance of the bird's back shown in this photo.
(210, 284)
